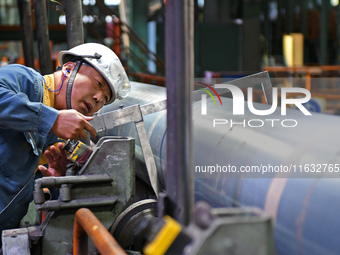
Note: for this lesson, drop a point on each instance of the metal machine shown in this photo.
(115, 184)
(105, 184)
(134, 209)
(123, 181)
(296, 204)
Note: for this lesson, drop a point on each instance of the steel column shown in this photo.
(324, 32)
(26, 31)
(179, 81)
(338, 33)
(43, 37)
(74, 23)
(289, 16)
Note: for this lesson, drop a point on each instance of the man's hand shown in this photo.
(57, 161)
(71, 124)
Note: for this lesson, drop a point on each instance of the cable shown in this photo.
(62, 82)
(10, 202)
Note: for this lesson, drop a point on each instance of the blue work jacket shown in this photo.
(25, 124)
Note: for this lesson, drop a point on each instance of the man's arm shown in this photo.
(20, 106)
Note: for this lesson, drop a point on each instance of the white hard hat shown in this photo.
(105, 61)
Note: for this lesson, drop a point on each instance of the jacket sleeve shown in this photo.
(21, 106)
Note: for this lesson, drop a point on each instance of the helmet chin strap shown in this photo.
(70, 84)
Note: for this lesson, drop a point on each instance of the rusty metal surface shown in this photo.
(86, 222)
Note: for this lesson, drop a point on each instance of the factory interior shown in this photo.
(182, 165)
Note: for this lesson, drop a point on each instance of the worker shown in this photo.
(38, 111)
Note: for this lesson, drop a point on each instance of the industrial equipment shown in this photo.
(213, 231)
(102, 178)
(135, 211)
(105, 184)
(123, 181)
(297, 202)
(137, 218)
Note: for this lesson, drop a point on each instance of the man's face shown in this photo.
(90, 91)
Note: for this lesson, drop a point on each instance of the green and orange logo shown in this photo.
(204, 97)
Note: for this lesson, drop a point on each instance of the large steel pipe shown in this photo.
(304, 210)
